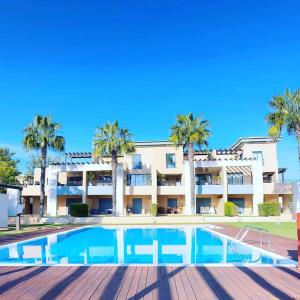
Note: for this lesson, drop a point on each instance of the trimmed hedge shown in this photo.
(269, 209)
(230, 209)
(154, 208)
(79, 210)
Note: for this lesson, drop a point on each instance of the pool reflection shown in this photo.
(98, 245)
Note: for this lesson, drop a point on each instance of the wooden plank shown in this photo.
(217, 288)
(110, 286)
(163, 288)
(99, 281)
(179, 285)
(225, 282)
(187, 286)
(172, 285)
(134, 283)
(251, 288)
(41, 285)
(201, 289)
(123, 291)
(140, 291)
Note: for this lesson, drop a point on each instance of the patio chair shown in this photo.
(94, 211)
(202, 210)
(207, 209)
(212, 210)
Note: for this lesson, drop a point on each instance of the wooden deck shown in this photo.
(152, 282)
(149, 283)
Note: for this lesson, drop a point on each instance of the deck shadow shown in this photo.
(63, 284)
(114, 283)
(15, 270)
(214, 284)
(258, 279)
(157, 285)
(11, 284)
(289, 271)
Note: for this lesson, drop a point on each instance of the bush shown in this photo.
(230, 209)
(154, 207)
(269, 209)
(79, 210)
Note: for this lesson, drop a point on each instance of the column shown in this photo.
(258, 191)
(188, 187)
(225, 190)
(52, 192)
(154, 185)
(120, 245)
(120, 190)
(84, 186)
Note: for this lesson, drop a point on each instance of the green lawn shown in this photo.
(28, 228)
(285, 229)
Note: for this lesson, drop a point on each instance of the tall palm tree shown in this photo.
(112, 141)
(193, 133)
(42, 135)
(285, 113)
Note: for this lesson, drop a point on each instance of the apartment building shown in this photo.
(247, 174)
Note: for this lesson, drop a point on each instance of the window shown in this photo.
(235, 178)
(268, 177)
(74, 180)
(258, 155)
(136, 161)
(203, 179)
(138, 179)
(171, 160)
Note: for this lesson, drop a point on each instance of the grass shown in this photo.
(28, 228)
(284, 229)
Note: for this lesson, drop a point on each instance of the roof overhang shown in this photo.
(252, 140)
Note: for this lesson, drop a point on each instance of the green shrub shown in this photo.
(269, 209)
(154, 207)
(79, 210)
(230, 209)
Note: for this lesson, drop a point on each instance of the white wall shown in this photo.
(3, 210)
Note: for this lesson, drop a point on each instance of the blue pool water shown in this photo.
(158, 246)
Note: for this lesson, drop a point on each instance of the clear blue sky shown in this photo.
(142, 62)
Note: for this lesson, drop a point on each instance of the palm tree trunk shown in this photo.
(42, 180)
(114, 163)
(298, 142)
(192, 175)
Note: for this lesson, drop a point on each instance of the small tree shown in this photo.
(8, 166)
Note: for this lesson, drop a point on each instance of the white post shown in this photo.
(120, 190)
(52, 192)
(258, 191)
(120, 244)
(188, 200)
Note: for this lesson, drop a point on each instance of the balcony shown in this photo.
(170, 190)
(31, 190)
(68, 190)
(209, 189)
(138, 190)
(278, 188)
(246, 189)
(101, 189)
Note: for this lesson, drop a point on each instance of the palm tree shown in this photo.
(193, 133)
(285, 113)
(112, 141)
(42, 135)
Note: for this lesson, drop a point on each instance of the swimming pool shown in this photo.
(97, 245)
